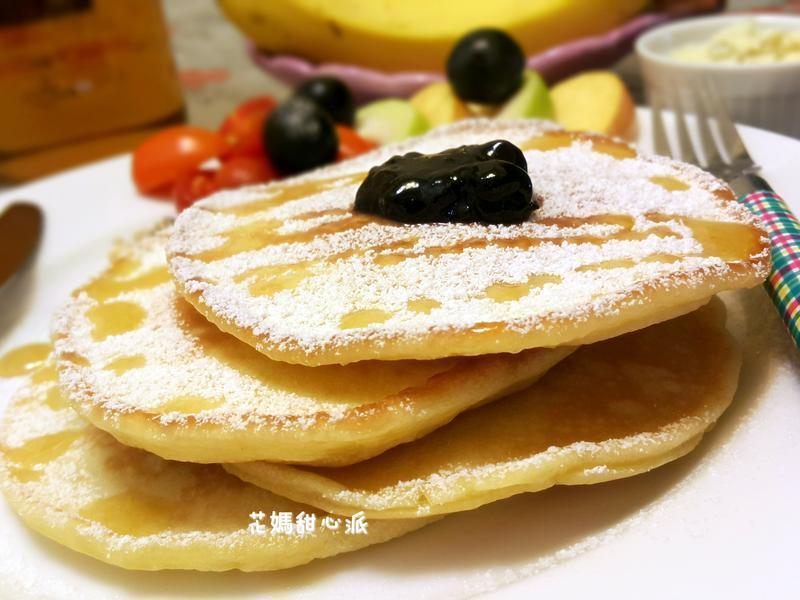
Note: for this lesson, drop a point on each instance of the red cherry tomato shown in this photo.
(234, 172)
(192, 186)
(241, 130)
(170, 154)
(351, 144)
(243, 170)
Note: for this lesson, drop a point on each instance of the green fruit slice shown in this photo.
(531, 101)
(390, 120)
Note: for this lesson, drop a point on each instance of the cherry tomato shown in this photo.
(170, 154)
(243, 170)
(194, 185)
(241, 130)
(234, 172)
(351, 144)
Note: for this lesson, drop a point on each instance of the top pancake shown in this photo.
(622, 241)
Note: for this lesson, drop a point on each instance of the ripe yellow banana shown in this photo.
(397, 35)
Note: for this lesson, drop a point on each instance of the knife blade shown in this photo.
(21, 226)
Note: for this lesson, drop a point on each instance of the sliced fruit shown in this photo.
(168, 155)
(244, 170)
(351, 144)
(595, 101)
(477, 109)
(531, 101)
(192, 186)
(233, 172)
(439, 104)
(241, 130)
(390, 120)
(397, 35)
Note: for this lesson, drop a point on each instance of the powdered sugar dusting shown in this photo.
(127, 507)
(176, 365)
(175, 357)
(576, 183)
(564, 461)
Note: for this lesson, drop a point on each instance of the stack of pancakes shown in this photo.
(274, 351)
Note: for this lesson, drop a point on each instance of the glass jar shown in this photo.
(80, 79)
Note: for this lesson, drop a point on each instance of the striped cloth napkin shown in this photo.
(783, 283)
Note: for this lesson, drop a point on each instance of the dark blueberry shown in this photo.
(299, 136)
(505, 150)
(486, 66)
(486, 183)
(332, 95)
(502, 192)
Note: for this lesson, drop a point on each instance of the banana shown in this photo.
(399, 35)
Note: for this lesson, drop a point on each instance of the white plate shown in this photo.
(722, 521)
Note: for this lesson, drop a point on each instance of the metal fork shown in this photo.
(726, 156)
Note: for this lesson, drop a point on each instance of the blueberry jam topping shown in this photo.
(483, 183)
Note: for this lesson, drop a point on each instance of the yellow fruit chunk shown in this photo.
(400, 35)
(439, 104)
(595, 101)
(483, 110)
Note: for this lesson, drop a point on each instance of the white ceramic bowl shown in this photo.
(764, 95)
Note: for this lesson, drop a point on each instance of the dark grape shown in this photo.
(299, 136)
(332, 95)
(486, 66)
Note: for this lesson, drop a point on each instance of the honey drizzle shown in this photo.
(113, 285)
(123, 364)
(38, 451)
(55, 400)
(664, 258)
(717, 239)
(24, 359)
(190, 404)
(671, 184)
(135, 513)
(606, 264)
(114, 318)
(272, 279)
(423, 305)
(290, 192)
(732, 242)
(260, 234)
(554, 140)
(509, 292)
(363, 318)
(139, 513)
(316, 214)
(46, 374)
(74, 358)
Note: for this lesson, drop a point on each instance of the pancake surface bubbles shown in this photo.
(612, 409)
(621, 241)
(78, 486)
(141, 363)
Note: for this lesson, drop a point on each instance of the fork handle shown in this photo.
(783, 228)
